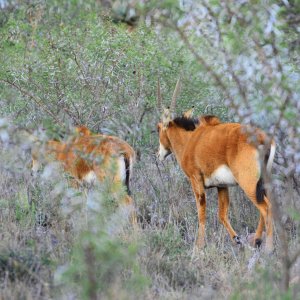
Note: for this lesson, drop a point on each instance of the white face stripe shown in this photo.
(162, 152)
(221, 176)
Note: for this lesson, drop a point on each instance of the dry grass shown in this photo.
(36, 241)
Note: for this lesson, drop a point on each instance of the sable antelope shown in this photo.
(215, 154)
(89, 157)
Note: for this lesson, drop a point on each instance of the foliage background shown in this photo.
(65, 63)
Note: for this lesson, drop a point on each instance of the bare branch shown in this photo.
(36, 100)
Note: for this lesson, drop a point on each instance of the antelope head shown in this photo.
(167, 116)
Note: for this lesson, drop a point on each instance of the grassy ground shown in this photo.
(40, 244)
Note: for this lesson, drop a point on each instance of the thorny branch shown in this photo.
(34, 98)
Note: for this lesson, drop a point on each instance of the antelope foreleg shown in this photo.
(198, 189)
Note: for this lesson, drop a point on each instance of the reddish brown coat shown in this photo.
(219, 155)
(88, 156)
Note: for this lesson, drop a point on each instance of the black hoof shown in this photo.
(237, 239)
(258, 243)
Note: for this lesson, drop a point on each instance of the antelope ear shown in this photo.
(166, 117)
(210, 120)
(189, 113)
(82, 131)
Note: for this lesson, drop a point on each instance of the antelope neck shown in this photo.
(178, 138)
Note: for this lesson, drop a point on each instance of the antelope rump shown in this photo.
(90, 157)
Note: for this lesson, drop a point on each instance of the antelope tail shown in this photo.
(270, 159)
(129, 161)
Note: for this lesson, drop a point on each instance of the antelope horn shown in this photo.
(159, 99)
(175, 94)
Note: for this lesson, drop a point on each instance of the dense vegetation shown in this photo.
(67, 63)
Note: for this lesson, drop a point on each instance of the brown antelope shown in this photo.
(215, 154)
(89, 157)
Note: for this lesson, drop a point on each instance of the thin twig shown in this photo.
(34, 98)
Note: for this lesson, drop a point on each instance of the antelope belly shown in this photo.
(222, 176)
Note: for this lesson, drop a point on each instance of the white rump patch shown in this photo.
(221, 176)
(271, 158)
(90, 177)
(122, 168)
